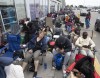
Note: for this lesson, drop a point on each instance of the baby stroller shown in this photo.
(84, 65)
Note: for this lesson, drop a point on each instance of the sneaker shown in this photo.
(64, 72)
(35, 75)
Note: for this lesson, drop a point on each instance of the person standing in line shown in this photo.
(87, 21)
(89, 14)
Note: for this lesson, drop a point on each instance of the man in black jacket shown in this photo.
(64, 46)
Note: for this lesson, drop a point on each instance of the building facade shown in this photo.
(63, 3)
(40, 8)
(55, 5)
(36, 8)
(33, 8)
(19, 6)
(11, 11)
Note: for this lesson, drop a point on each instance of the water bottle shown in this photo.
(45, 65)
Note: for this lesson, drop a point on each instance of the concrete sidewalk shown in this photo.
(46, 73)
(49, 73)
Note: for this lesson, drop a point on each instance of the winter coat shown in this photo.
(64, 43)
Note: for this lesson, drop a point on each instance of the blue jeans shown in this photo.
(5, 61)
(87, 53)
(68, 28)
(47, 39)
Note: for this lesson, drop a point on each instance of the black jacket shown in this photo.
(63, 42)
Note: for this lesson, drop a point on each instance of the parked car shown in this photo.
(97, 24)
(99, 11)
(83, 12)
(94, 10)
(88, 9)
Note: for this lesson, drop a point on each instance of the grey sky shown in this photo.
(83, 2)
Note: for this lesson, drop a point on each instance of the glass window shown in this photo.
(4, 13)
(37, 2)
(1, 24)
(52, 6)
(32, 10)
(46, 6)
(20, 9)
(8, 15)
(41, 9)
(7, 27)
(37, 8)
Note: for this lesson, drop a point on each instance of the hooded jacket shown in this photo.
(64, 43)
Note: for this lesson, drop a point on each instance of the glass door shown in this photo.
(8, 17)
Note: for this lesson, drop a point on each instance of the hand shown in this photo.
(57, 49)
(72, 75)
(30, 51)
(62, 50)
(85, 46)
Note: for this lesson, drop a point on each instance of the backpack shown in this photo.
(58, 60)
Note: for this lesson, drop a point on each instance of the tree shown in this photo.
(71, 5)
(75, 6)
(81, 6)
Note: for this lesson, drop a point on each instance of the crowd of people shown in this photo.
(62, 45)
(37, 37)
